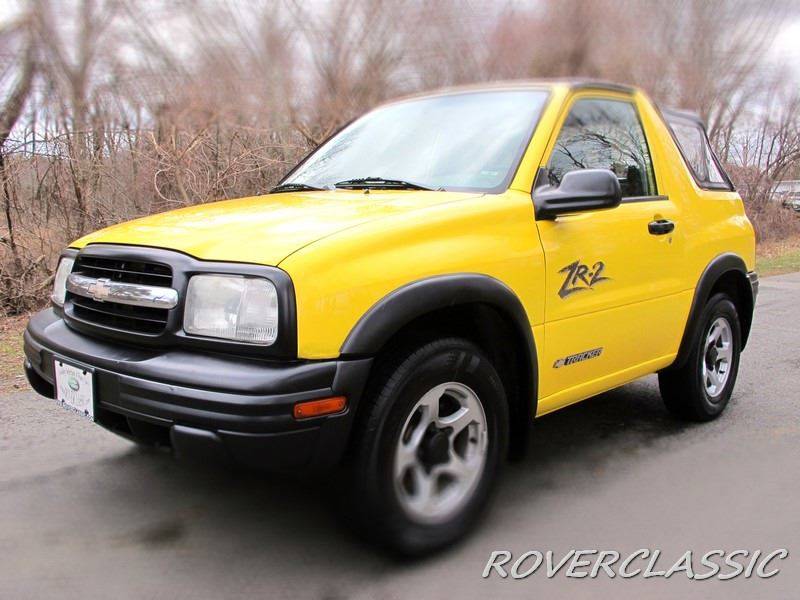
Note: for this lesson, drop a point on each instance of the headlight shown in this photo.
(238, 308)
(60, 282)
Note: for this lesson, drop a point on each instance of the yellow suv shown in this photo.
(413, 294)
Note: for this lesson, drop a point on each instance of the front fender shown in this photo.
(416, 299)
(512, 336)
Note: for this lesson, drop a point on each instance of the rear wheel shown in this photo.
(701, 389)
(429, 446)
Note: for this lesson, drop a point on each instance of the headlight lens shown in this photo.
(238, 308)
(60, 282)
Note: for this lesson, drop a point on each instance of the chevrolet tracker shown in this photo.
(413, 294)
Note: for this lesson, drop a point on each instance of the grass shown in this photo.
(778, 257)
(772, 258)
(11, 355)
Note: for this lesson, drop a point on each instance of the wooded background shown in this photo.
(114, 109)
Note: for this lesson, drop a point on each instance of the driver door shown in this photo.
(609, 317)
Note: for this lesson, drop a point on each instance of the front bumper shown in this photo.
(204, 404)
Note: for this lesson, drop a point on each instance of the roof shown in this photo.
(573, 83)
(682, 114)
(599, 84)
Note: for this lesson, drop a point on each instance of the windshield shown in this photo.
(463, 142)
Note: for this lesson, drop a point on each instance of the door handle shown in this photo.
(660, 227)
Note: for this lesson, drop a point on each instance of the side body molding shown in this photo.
(721, 266)
(426, 296)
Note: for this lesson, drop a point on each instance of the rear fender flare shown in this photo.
(716, 269)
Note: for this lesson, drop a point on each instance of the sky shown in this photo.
(785, 49)
(787, 45)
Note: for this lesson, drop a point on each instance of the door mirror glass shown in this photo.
(581, 190)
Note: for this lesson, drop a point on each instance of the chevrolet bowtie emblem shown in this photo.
(100, 289)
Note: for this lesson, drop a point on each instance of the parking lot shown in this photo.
(84, 514)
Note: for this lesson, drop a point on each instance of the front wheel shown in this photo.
(430, 444)
(701, 388)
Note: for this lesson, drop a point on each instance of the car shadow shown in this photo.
(277, 520)
(588, 439)
(622, 420)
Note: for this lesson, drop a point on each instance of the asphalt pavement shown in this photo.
(85, 514)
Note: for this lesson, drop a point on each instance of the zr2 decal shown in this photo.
(580, 277)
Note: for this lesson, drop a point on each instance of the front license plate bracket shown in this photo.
(75, 387)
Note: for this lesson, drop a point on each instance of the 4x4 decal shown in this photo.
(580, 277)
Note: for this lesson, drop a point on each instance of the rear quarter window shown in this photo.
(692, 141)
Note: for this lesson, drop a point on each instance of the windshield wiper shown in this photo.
(379, 183)
(295, 187)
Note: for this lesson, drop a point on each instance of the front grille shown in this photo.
(126, 271)
(135, 319)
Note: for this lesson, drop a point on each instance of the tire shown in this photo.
(396, 460)
(689, 392)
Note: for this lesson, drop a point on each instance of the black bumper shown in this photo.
(204, 404)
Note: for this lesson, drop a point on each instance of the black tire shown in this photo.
(684, 390)
(401, 379)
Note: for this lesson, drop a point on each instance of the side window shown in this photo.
(696, 150)
(604, 134)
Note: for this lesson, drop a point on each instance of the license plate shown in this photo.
(75, 388)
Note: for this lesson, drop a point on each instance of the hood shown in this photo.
(264, 229)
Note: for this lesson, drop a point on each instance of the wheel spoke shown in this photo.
(423, 495)
(712, 379)
(405, 459)
(713, 335)
(407, 450)
(430, 402)
(458, 468)
(419, 431)
(725, 351)
(457, 421)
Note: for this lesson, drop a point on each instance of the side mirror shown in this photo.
(580, 190)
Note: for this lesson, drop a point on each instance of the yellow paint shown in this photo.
(263, 229)
(345, 250)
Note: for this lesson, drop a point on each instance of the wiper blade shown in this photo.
(295, 187)
(379, 183)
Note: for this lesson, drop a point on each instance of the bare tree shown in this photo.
(10, 113)
(766, 148)
(120, 108)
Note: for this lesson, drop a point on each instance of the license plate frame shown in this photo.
(75, 387)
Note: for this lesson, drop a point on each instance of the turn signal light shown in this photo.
(318, 408)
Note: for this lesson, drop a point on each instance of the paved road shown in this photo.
(83, 514)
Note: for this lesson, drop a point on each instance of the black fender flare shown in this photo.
(717, 268)
(405, 304)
